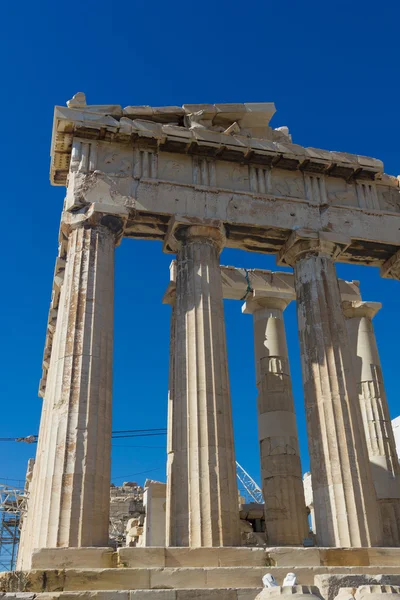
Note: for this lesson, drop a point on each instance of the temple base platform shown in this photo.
(197, 573)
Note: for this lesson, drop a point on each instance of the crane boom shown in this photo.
(249, 484)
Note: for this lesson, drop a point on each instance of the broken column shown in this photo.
(282, 485)
(345, 504)
(70, 500)
(202, 508)
(308, 494)
(154, 501)
(376, 417)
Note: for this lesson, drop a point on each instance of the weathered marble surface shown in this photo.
(281, 473)
(202, 508)
(375, 413)
(345, 505)
(70, 492)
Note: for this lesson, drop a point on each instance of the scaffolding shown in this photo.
(251, 490)
(13, 502)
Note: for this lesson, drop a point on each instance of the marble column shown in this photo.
(203, 496)
(173, 457)
(69, 504)
(285, 510)
(345, 503)
(375, 412)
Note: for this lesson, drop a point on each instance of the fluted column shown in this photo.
(69, 504)
(282, 484)
(346, 510)
(173, 468)
(375, 412)
(203, 497)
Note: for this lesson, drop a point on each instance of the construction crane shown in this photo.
(251, 487)
(13, 504)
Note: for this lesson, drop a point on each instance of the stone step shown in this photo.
(87, 558)
(182, 594)
(55, 580)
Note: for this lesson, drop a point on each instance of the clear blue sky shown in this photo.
(333, 71)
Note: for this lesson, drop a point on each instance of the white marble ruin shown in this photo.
(200, 178)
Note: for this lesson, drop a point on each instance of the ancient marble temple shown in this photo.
(200, 178)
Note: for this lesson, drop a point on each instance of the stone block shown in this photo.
(178, 578)
(235, 577)
(384, 557)
(292, 557)
(247, 593)
(212, 557)
(375, 592)
(330, 584)
(141, 557)
(106, 579)
(18, 596)
(346, 593)
(31, 581)
(87, 595)
(69, 558)
(192, 557)
(344, 557)
(208, 594)
(242, 557)
(153, 595)
(297, 592)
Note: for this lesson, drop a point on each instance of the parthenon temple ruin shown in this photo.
(200, 178)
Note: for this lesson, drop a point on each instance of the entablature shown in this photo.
(239, 284)
(205, 162)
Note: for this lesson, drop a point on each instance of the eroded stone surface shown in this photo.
(66, 558)
(202, 508)
(70, 499)
(377, 592)
(330, 584)
(345, 506)
(375, 413)
(302, 592)
(282, 485)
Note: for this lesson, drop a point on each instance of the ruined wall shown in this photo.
(126, 504)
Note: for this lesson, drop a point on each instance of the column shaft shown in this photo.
(203, 503)
(176, 506)
(346, 511)
(285, 510)
(376, 417)
(69, 504)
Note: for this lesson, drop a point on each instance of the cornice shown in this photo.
(223, 131)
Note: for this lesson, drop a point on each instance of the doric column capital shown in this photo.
(303, 242)
(184, 230)
(193, 233)
(358, 309)
(257, 302)
(391, 268)
(96, 216)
